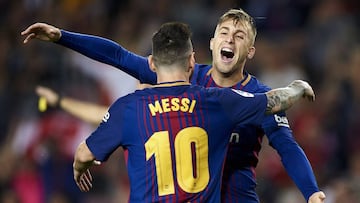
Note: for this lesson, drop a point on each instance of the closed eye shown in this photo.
(239, 36)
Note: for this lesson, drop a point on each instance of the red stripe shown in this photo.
(208, 84)
(142, 119)
(152, 127)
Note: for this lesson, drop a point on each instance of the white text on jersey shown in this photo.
(281, 121)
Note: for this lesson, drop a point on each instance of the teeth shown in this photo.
(226, 49)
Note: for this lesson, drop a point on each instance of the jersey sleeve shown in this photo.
(109, 52)
(292, 156)
(108, 136)
(244, 107)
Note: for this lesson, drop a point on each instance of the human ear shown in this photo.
(151, 63)
(192, 62)
(191, 65)
(211, 43)
(251, 52)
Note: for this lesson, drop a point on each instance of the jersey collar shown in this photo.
(243, 82)
(170, 84)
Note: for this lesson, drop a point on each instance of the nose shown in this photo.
(229, 39)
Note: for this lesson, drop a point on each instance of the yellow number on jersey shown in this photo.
(159, 146)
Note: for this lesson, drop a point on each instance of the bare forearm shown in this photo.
(83, 158)
(281, 99)
(86, 111)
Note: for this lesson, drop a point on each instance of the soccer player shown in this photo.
(176, 134)
(232, 45)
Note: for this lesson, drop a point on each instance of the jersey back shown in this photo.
(176, 136)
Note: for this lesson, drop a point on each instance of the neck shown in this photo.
(227, 79)
(172, 76)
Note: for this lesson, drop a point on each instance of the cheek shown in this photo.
(242, 54)
(243, 49)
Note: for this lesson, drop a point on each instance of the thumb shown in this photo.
(96, 162)
(322, 195)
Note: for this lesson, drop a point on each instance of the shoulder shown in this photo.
(129, 98)
(202, 67)
(226, 93)
(201, 70)
(256, 86)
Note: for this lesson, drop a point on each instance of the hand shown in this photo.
(308, 92)
(51, 96)
(83, 180)
(317, 197)
(41, 31)
(303, 85)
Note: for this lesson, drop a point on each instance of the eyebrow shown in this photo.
(227, 29)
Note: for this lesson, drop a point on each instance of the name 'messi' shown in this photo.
(172, 104)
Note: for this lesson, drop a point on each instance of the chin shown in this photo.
(225, 71)
(227, 67)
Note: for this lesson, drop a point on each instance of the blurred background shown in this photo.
(317, 41)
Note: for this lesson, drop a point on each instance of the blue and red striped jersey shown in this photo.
(239, 181)
(176, 136)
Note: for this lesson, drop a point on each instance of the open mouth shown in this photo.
(227, 54)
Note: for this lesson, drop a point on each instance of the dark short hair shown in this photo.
(171, 44)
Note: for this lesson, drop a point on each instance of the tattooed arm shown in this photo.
(281, 99)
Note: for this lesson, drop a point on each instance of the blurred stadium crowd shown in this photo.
(317, 41)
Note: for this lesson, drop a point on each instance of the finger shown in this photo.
(30, 29)
(80, 186)
(85, 184)
(88, 175)
(38, 90)
(87, 180)
(95, 162)
(310, 95)
(41, 91)
(88, 183)
(29, 37)
(311, 98)
(78, 182)
(25, 32)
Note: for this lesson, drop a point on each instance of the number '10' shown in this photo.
(158, 146)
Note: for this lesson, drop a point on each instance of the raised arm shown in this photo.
(294, 160)
(281, 99)
(86, 111)
(292, 156)
(96, 48)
